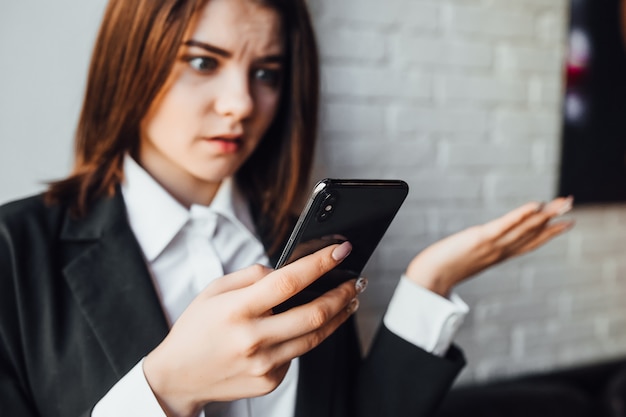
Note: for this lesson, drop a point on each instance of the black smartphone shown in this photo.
(359, 211)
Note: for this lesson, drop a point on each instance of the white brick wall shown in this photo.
(461, 98)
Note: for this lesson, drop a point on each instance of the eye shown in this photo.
(267, 76)
(202, 63)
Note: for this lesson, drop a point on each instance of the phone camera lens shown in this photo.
(326, 208)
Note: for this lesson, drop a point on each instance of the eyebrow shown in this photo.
(208, 47)
(222, 52)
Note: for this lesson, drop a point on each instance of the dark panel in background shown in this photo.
(593, 159)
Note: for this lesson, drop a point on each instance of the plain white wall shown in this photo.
(45, 48)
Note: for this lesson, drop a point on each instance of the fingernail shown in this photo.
(567, 206)
(353, 306)
(360, 285)
(342, 251)
(540, 207)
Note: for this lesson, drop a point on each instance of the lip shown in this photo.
(234, 137)
(227, 143)
(226, 136)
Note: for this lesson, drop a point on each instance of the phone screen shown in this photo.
(359, 211)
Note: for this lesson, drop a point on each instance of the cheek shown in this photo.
(172, 119)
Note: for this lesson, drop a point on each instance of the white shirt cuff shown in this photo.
(424, 318)
(131, 396)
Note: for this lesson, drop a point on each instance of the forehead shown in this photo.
(227, 23)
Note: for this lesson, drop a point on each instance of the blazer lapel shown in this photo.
(106, 272)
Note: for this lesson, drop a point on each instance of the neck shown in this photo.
(188, 193)
(185, 188)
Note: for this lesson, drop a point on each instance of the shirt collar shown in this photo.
(155, 228)
(232, 204)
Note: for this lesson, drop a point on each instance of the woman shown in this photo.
(127, 288)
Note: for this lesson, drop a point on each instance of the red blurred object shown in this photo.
(575, 75)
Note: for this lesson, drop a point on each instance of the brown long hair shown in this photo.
(133, 56)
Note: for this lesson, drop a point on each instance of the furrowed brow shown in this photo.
(208, 47)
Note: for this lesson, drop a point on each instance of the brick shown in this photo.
(594, 300)
(545, 155)
(517, 309)
(524, 5)
(375, 82)
(526, 124)
(556, 276)
(492, 22)
(546, 91)
(535, 338)
(454, 219)
(484, 341)
(347, 171)
(347, 44)
(522, 188)
(581, 353)
(449, 188)
(505, 366)
(483, 90)
(396, 257)
(590, 218)
(558, 5)
(408, 222)
(560, 338)
(551, 27)
(442, 53)
(620, 270)
(445, 120)
(617, 327)
(370, 153)
(620, 216)
(422, 14)
(353, 118)
(604, 246)
(463, 155)
(495, 281)
(515, 58)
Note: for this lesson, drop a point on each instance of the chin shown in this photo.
(214, 176)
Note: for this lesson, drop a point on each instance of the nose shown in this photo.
(234, 99)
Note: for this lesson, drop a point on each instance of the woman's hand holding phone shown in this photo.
(450, 261)
(228, 345)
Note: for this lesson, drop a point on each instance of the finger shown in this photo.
(309, 317)
(546, 235)
(236, 280)
(502, 225)
(300, 345)
(309, 247)
(559, 206)
(284, 283)
(524, 231)
(534, 224)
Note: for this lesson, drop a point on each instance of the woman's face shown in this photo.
(218, 101)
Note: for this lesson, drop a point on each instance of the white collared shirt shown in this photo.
(186, 249)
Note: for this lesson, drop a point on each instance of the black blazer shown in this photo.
(78, 310)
